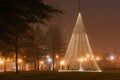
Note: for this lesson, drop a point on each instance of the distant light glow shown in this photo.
(49, 60)
(19, 60)
(47, 56)
(41, 62)
(62, 62)
(88, 55)
(57, 56)
(81, 60)
(97, 58)
(1, 61)
(112, 57)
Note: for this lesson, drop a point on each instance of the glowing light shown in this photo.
(81, 59)
(19, 60)
(41, 62)
(62, 62)
(49, 60)
(79, 50)
(88, 55)
(97, 58)
(1, 61)
(112, 57)
(57, 56)
(47, 56)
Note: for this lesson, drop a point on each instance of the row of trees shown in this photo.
(48, 41)
(16, 33)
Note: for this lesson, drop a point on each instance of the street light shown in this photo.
(81, 59)
(85, 59)
(57, 56)
(41, 62)
(20, 67)
(112, 57)
(62, 62)
(49, 60)
(88, 55)
(20, 60)
(1, 65)
(1, 61)
(47, 56)
(41, 67)
(97, 58)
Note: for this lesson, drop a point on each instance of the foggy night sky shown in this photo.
(101, 19)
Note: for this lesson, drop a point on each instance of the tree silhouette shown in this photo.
(15, 16)
(55, 41)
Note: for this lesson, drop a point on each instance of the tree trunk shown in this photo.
(53, 56)
(16, 53)
(35, 65)
(5, 65)
(38, 64)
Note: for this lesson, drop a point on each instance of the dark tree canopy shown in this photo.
(16, 14)
(25, 10)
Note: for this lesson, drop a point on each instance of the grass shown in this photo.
(105, 75)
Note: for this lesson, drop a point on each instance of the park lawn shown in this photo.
(105, 75)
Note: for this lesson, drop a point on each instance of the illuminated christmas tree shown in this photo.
(79, 55)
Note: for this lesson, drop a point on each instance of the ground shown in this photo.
(105, 75)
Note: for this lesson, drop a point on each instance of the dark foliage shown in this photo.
(15, 16)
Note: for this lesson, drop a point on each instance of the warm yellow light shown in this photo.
(62, 62)
(19, 60)
(41, 62)
(57, 56)
(47, 56)
(1, 61)
(81, 59)
(88, 55)
(97, 58)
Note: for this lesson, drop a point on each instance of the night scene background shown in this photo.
(35, 36)
(101, 19)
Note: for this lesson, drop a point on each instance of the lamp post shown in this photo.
(1, 65)
(62, 64)
(20, 61)
(49, 60)
(41, 65)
